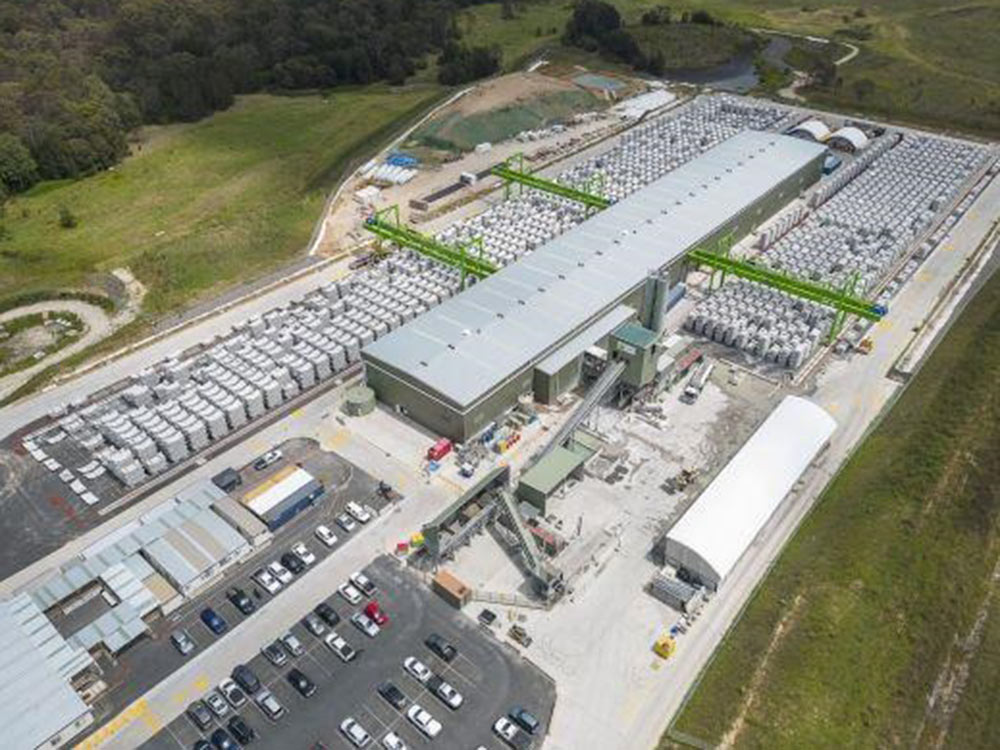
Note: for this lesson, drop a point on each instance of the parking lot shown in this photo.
(491, 677)
(145, 663)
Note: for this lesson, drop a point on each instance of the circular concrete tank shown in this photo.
(359, 401)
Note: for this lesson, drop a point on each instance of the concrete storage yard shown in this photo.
(600, 356)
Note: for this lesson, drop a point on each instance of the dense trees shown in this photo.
(77, 75)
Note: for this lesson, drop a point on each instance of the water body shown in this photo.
(738, 74)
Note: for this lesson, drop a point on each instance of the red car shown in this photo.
(376, 614)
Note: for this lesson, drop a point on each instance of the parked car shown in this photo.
(349, 593)
(292, 563)
(202, 744)
(183, 642)
(363, 583)
(327, 613)
(354, 732)
(357, 512)
(326, 536)
(245, 678)
(443, 690)
(376, 614)
(263, 578)
(240, 600)
(487, 617)
(268, 459)
(275, 654)
(222, 741)
(345, 522)
(417, 668)
(441, 647)
(213, 621)
(198, 713)
(301, 682)
(269, 705)
(234, 694)
(393, 695)
(506, 730)
(393, 741)
(217, 703)
(524, 719)
(279, 571)
(302, 552)
(365, 624)
(313, 624)
(340, 647)
(422, 720)
(241, 730)
(292, 644)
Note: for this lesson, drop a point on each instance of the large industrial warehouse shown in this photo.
(461, 365)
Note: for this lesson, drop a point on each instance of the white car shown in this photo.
(505, 729)
(340, 647)
(303, 553)
(422, 720)
(350, 594)
(326, 536)
(269, 705)
(417, 668)
(393, 741)
(357, 512)
(363, 583)
(449, 695)
(345, 522)
(292, 644)
(233, 692)
(365, 624)
(354, 732)
(280, 572)
(217, 703)
(267, 581)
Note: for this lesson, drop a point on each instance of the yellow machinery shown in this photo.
(665, 646)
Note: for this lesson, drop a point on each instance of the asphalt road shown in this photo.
(490, 677)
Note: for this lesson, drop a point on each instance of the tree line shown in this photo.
(597, 26)
(77, 75)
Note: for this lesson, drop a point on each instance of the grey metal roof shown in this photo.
(36, 700)
(579, 343)
(473, 342)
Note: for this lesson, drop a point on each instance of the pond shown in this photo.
(738, 74)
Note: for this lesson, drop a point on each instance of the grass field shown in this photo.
(875, 599)
(920, 61)
(205, 205)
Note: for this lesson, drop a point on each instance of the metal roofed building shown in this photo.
(722, 523)
(38, 706)
(284, 494)
(459, 366)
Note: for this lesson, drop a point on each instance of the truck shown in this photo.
(439, 450)
(697, 382)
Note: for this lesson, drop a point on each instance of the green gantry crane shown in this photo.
(842, 300)
(510, 174)
(394, 230)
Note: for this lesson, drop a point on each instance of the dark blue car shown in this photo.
(213, 621)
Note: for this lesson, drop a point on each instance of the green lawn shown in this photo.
(882, 578)
(201, 206)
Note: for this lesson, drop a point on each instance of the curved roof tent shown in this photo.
(815, 130)
(849, 138)
(722, 523)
